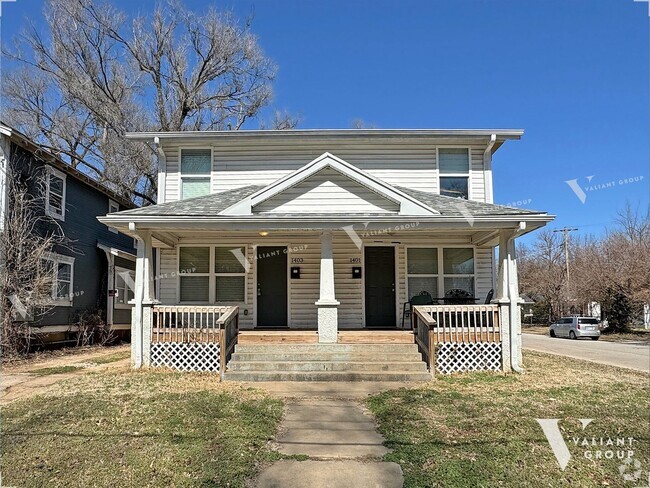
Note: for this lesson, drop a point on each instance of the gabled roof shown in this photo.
(55, 161)
(214, 204)
(408, 205)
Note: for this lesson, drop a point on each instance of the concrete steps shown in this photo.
(326, 362)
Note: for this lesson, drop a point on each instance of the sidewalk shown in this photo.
(326, 422)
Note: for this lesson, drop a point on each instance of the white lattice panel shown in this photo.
(186, 356)
(455, 357)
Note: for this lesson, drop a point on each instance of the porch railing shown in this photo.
(457, 324)
(200, 325)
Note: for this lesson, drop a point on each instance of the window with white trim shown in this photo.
(230, 272)
(453, 169)
(113, 207)
(212, 274)
(62, 269)
(124, 286)
(438, 271)
(196, 167)
(422, 271)
(458, 269)
(55, 189)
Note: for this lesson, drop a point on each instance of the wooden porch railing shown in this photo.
(194, 323)
(436, 324)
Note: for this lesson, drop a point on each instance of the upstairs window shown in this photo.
(453, 166)
(55, 194)
(113, 207)
(196, 166)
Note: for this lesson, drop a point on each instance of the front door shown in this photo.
(379, 263)
(272, 286)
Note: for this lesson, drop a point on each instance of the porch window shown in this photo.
(453, 166)
(458, 269)
(230, 274)
(196, 167)
(124, 282)
(422, 271)
(212, 274)
(194, 273)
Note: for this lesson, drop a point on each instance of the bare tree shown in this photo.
(97, 74)
(26, 275)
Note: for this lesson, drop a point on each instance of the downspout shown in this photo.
(160, 162)
(513, 295)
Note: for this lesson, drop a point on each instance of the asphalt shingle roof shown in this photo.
(211, 205)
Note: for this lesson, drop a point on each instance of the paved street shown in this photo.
(633, 355)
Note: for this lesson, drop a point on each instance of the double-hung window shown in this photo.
(196, 167)
(113, 207)
(209, 274)
(453, 167)
(422, 271)
(62, 275)
(124, 284)
(458, 269)
(230, 274)
(55, 194)
(438, 270)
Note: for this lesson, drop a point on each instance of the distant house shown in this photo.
(94, 270)
(328, 237)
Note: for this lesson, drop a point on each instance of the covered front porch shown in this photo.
(319, 286)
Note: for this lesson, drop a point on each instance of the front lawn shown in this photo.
(479, 430)
(124, 428)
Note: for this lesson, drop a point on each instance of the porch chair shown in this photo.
(424, 298)
(489, 296)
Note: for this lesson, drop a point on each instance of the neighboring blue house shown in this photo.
(94, 269)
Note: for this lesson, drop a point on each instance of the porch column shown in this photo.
(327, 303)
(508, 300)
(144, 300)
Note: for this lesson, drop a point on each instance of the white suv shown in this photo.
(576, 327)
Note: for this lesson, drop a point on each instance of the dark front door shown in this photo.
(379, 263)
(272, 286)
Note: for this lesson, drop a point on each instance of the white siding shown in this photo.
(304, 251)
(327, 191)
(409, 164)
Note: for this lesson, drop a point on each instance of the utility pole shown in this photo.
(566, 231)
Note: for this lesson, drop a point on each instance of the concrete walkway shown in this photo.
(327, 423)
(632, 355)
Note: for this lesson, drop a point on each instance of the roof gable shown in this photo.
(343, 180)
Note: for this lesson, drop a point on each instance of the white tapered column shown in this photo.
(327, 303)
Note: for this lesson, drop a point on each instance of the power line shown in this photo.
(566, 231)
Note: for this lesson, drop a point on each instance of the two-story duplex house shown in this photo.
(94, 264)
(328, 237)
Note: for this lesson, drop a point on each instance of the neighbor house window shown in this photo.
(113, 207)
(124, 283)
(55, 194)
(422, 271)
(212, 274)
(62, 272)
(458, 269)
(196, 166)
(230, 274)
(453, 166)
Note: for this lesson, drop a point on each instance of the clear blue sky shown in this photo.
(572, 73)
